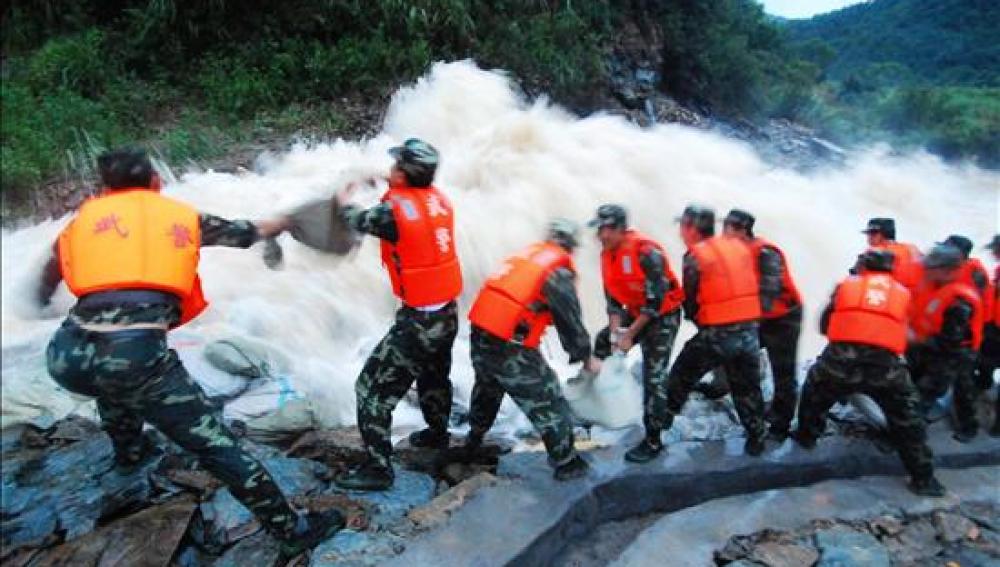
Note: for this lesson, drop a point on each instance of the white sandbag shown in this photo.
(268, 404)
(612, 399)
(246, 357)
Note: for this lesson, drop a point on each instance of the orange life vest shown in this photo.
(510, 306)
(422, 264)
(728, 290)
(625, 280)
(790, 296)
(928, 314)
(969, 267)
(134, 239)
(870, 309)
(906, 266)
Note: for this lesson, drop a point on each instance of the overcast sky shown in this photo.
(803, 8)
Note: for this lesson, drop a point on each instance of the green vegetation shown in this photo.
(918, 72)
(193, 78)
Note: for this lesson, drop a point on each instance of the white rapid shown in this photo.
(508, 166)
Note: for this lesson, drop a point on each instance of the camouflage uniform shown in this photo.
(416, 348)
(137, 379)
(780, 337)
(943, 362)
(656, 339)
(989, 361)
(508, 367)
(844, 369)
(735, 347)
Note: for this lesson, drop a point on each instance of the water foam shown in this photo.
(508, 166)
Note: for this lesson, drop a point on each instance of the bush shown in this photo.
(76, 63)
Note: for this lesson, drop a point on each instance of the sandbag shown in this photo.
(272, 410)
(317, 224)
(245, 357)
(612, 399)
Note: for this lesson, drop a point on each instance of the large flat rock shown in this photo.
(688, 537)
(538, 517)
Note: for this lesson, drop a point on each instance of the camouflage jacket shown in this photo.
(215, 231)
(770, 268)
(377, 221)
(656, 285)
(559, 292)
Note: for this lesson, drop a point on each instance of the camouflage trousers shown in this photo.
(736, 348)
(934, 372)
(839, 373)
(416, 349)
(780, 337)
(135, 379)
(656, 341)
(506, 368)
(989, 357)
(989, 361)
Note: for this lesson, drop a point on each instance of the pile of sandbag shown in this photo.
(269, 406)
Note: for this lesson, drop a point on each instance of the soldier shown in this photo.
(989, 355)
(781, 321)
(947, 325)
(532, 289)
(131, 256)
(643, 303)
(972, 272)
(722, 297)
(416, 225)
(882, 236)
(866, 324)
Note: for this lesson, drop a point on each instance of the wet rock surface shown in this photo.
(65, 503)
(934, 538)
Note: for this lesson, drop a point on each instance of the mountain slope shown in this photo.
(941, 42)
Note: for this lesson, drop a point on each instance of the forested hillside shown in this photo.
(193, 79)
(918, 72)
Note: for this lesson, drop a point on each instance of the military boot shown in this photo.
(430, 438)
(369, 476)
(926, 487)
(645, 451)
(777, 434)
(312, 529)
(964, 435)
(574, 468)
(805, 440)
(755, 444)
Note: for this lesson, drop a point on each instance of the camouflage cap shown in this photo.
(994, 244)
(943, 256)
(609, 215)
(416, 157)
(881, 225)
(701, 217)
(963, 244)
(564, 232)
